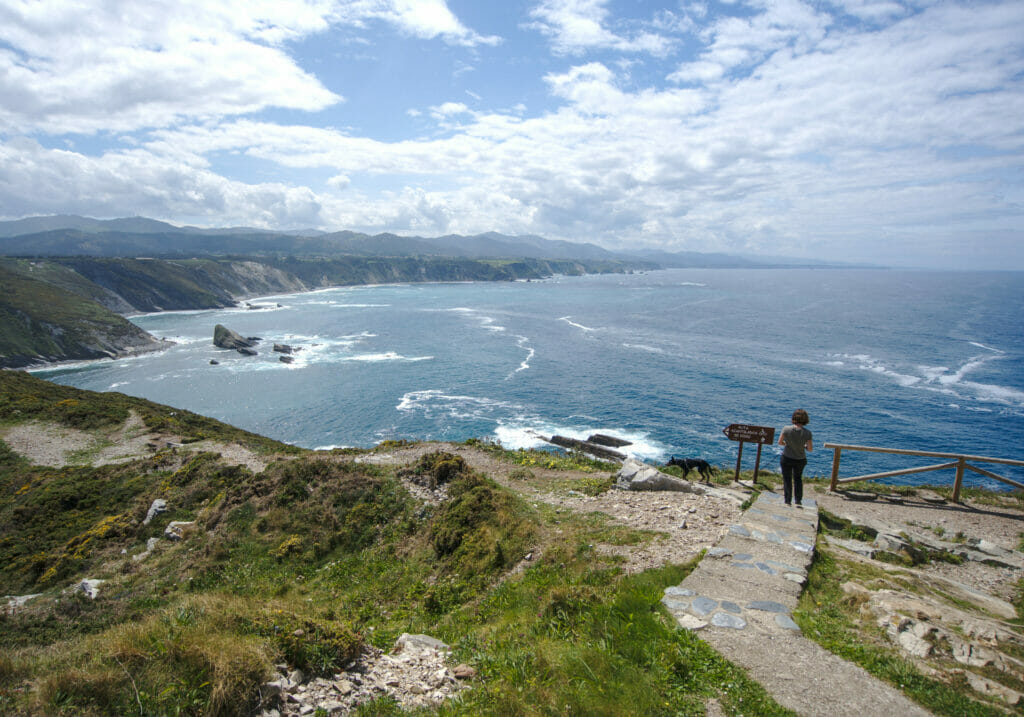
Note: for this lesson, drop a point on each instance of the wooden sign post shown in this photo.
(749, 434)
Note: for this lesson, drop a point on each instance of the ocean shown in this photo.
(666, 359)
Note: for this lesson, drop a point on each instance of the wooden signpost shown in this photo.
(749, 434)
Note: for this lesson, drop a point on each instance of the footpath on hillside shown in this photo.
(741, 597)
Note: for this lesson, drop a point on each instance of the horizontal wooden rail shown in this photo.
(959, 462)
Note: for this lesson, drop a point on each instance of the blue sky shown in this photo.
(886, 131)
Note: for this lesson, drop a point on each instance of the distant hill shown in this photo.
(137, 236)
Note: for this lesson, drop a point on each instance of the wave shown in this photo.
(432, 403)
(523, 343)
(644, 347)
(581, 327)
(942, 379)
(386, 356)
(486, 322)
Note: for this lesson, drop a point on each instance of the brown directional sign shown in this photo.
(749, 434)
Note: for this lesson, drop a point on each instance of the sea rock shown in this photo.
(283, 348)
(247, 352)
(635, 475)
(214, 362)
(604, 440)
(286, 359)
(225, 338)
(587, 447)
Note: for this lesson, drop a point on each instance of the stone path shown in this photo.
(741, 598)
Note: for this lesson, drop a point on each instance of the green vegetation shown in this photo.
(831, 618)
(39, 320)
(24, 397)
(307, 561)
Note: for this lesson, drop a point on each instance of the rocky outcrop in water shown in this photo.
(225, 338)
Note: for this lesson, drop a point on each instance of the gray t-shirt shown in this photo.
(795, 437)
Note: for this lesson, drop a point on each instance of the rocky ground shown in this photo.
(930, 624)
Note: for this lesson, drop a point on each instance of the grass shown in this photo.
(24, 397)
(828, 616)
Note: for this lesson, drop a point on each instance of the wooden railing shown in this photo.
(957, 461)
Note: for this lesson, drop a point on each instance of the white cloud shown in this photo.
(796, 133)
(576, 26)
(122, 65)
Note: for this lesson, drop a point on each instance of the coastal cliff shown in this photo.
(71, 308)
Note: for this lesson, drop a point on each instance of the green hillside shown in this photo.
(43, 321)
(308, 558)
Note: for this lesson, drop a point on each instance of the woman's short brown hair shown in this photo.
(800, 416)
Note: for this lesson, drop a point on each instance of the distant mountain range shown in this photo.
(69, 235)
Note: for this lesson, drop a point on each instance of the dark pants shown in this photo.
(793, 479)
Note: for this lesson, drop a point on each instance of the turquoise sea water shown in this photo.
(667, 359)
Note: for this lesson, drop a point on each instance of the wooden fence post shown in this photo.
(959, 478)
(835, 468)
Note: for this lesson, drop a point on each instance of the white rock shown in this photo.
(914, 644)
(176, 528)
(691, 622)
(156, 508)
(90, 587)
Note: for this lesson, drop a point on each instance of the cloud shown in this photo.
(576, 26)
(791, 130)
(429, 19)
(122, 65)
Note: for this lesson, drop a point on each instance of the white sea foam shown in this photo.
(523, 342)
(581, 327)
(644, 347)
(385, 356)
(517, 435)
(432, 403)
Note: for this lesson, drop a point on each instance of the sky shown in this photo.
(880, 131)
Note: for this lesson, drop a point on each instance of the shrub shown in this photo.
(320, 647)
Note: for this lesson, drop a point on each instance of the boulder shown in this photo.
(225, 338)
(177, 529)
(635, 475)
(157, 507)
(88, 587)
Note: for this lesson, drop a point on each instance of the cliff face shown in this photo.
(43, 322)
(68, 308)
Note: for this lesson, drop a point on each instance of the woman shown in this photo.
(796, 439)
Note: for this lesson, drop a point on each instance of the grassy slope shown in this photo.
(331, 546)
(39, 320)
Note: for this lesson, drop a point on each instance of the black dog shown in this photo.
(702, 466)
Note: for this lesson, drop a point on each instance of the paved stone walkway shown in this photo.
(741, 598)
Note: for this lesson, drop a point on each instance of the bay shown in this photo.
(667, 359)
